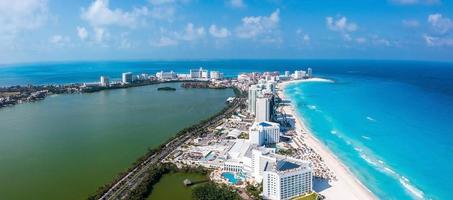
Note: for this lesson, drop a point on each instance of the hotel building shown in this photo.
(216, 75)
(199, 73)
(105, 81)
(263, 108)
(126, 77)
(262, 133)
(283, 177)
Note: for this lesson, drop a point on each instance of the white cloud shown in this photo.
(192, 33)
(439, 23)
(306, 38)
(164, 42)
(237, 3)
(414, 2)
(303, 36)
(254, 26)
(341, 24)
(59, 39)
(82, 32)
(219, 32)
(17, 16)
(361, 40)
(100, 35)
(437, 41)
(410, 23)
(99, 14)
(381, 42)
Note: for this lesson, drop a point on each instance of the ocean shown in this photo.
(390, 122)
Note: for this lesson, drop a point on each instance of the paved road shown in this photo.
(122, 188)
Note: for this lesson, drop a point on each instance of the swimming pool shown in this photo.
(230, 177)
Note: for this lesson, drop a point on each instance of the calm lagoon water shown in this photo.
(171, 186)
(66, 146)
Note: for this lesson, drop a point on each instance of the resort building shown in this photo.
(263, 133)
(216, 75)
(283, 177)
(166, 75)
(199, 73)
(105, 81)
(309, 73)
(299, 74)
(263, 108)
(253, 93)
(126, 77)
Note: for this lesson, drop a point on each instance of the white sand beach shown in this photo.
(347, 186)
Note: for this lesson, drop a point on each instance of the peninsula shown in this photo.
(257, 140)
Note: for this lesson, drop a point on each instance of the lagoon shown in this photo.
(66, 146)
(171, 186)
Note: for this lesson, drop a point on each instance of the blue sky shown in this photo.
(50, 30)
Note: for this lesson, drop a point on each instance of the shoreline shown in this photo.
(346, 186)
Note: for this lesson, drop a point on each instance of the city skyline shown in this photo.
(48, 30)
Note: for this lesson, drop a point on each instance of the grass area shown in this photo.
(311, 196)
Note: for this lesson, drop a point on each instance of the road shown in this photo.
(123, 187)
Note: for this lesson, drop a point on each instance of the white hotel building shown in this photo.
(262, 133)
(283, 177)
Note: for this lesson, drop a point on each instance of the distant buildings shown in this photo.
(263, 133)
(126, 78)
(166, 75)
(105, 81)
(299, 74)
(199, 73)
(216, 75)
(309, 73)
(261, 101)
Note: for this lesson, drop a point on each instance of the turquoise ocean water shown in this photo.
(395, 137)
(390, 122)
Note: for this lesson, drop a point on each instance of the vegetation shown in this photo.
(244, 136)
(311, 196)
(255, 191)
(239, 93)
(166, 89)
(285, 152)
(212, 191)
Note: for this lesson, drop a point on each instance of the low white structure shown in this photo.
(299, 74)
(216, 75)
(262, 133)
(199, 73)
(166, 75)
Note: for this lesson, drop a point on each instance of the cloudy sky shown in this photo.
(51, 30)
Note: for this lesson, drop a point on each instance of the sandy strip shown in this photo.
(347, 186)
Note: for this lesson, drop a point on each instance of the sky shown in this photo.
(72, 30)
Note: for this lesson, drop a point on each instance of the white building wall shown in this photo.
(287, 185)
(263, 109)
(253, 92)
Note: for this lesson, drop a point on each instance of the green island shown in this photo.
(166, 89)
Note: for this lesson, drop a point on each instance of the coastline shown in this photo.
(347, 186)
